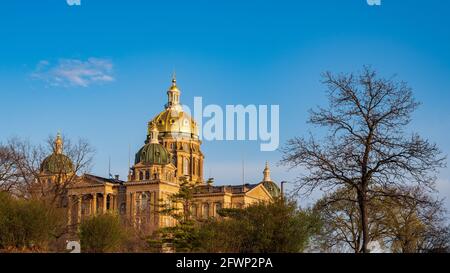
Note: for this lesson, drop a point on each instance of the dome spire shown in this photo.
(174, 79)
(58, 144)
(266, 173)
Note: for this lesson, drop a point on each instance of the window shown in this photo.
(145, 197)
(147, 175)
(185, 166)
(218, 206)
(141, 176)
(174, 160)
(205, 213)
(194, 210)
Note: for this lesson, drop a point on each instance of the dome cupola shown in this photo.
(152, 152)
(57, 162)
(173, 120)
(173, 94)
(267, 182)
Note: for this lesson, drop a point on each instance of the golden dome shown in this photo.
(173, 120)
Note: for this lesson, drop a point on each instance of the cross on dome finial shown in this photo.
(174, 78)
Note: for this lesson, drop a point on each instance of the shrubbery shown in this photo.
(102, 233)
(28, 225)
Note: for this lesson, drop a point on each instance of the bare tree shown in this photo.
(80, 155)
(28, 159)
(367, 148)
(8, 171)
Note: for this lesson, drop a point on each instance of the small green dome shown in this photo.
(153, 153)
(272, 188)
(57, 163)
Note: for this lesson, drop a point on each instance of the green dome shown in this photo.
(57, 163)
(153, 153)
(272, 188)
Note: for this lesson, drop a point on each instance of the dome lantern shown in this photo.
(152, 152)
(173, 120)
(266, 173)
(57, 162)
(58, 144)
(173, 94)
(153, 133)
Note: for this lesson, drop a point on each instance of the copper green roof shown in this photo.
(57, 164)
(152, 153)
(272, 188)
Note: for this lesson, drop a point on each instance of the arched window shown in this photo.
(147, 175)
(205, 213)
(218, 206)
(194, 210)
(145, 197)
(185, 166)
(141, 176)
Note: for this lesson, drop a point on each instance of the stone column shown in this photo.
(133, 208)
(211, 209)
(94, 204)
(191, 169)
(104, 202)
(80, 200)
(111, 202)
(114, 202)
(201, 168)
(139, 209)
(69, 210)
(153, 207)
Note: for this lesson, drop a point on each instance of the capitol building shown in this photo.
(170, 154)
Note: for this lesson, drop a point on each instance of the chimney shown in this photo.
(116, 177)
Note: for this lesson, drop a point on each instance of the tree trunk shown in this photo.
(362, 201)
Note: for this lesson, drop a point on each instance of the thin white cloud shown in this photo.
(74, 72)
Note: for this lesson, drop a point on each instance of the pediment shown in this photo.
(91, 180)
(259, 192)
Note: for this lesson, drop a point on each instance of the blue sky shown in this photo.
(228, 52)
